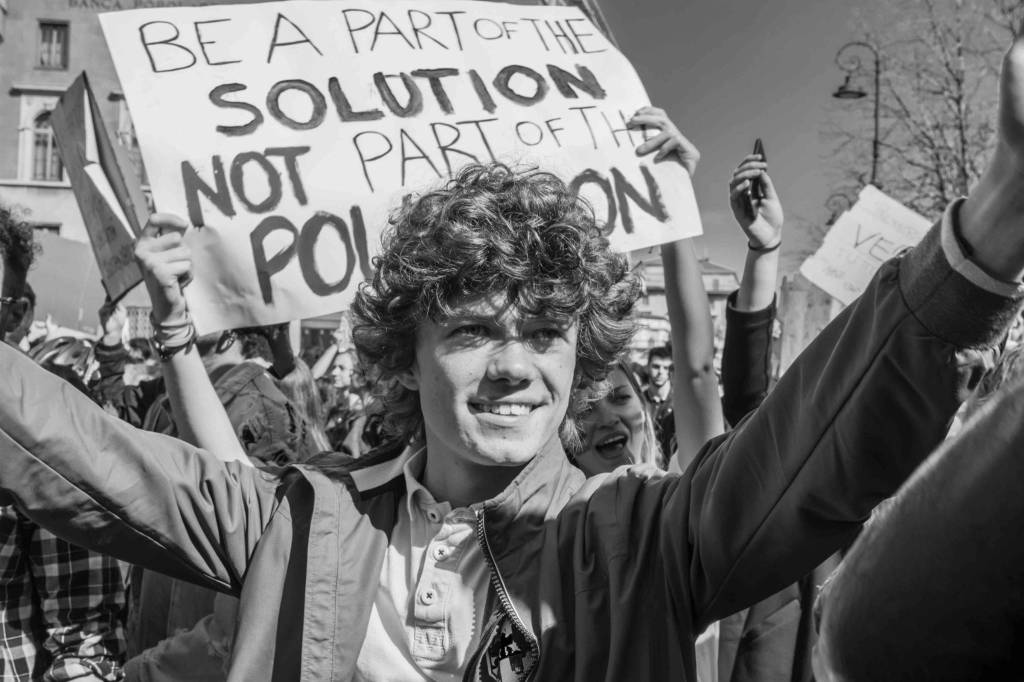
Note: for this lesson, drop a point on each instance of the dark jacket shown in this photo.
(746, 359)
(607, 579)
(268, 425)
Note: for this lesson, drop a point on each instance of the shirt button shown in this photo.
(428, 597)
(440, 553)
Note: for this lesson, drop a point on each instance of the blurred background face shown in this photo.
(343, 371)
(613, 429)
(659, 369)
(12, 285)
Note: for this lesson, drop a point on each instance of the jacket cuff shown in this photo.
(951, 295)
(748, 318)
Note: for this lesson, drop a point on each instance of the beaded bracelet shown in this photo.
(169, 339)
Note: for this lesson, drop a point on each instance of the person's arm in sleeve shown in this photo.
(750, 311)
(142, 497)
(864, 404)
(697, 408)
(945, 556)
(324, 362)
(81, 599)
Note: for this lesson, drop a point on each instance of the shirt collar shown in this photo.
(417, 497)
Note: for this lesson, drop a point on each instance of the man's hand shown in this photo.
(760, 219)
(166, 264)
(112, 319)
(667, 142)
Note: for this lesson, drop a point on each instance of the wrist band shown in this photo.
(765, 249)
(169, 339)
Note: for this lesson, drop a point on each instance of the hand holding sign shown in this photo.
(301, 125)
(166, 264)
(666, 142)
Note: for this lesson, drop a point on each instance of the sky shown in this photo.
(729, 71)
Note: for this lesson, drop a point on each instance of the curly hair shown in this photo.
(17, 248)
(520, 233)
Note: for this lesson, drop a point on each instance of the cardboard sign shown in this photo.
(112, 204)
(875, 229)
(287, 132)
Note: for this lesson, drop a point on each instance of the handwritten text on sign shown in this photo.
(877, 228)
(287, 131)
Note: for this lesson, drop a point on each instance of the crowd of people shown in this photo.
(471, 482)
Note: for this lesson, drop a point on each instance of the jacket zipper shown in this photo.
(502, 592)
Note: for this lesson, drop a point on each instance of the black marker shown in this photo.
(756, 186)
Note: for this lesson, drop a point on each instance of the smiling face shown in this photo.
(494, 384)
(343, 369)
(613, 429)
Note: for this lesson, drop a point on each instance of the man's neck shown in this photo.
(452, 479)
(662, 392)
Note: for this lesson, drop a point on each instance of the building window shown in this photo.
(46, 164)
(52, 228)
(53, 45)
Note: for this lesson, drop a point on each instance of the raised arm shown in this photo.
(130, 402)
(750, 311)
(697, 407)
(166, 264)
(142, 497)
(761, 221)
(864, 404)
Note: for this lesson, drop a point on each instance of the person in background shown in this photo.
(61, 606)
(658, 392)
(19, 336)
(621, 422)
(301, 389)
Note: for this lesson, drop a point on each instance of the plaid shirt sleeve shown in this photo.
(81, 597)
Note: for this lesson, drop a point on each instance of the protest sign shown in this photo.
(112, 204)
(286, 131)
(874, 230)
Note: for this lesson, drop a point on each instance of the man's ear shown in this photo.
(410, 378)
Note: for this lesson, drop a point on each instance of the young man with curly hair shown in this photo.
(61, 606)
(471, 548)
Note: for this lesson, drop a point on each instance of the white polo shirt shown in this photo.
(431, 599)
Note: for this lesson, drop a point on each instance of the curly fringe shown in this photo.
(492, 229)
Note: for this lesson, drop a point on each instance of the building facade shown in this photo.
(652, 319)
(44, 45)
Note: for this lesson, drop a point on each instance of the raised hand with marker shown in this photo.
(756, 206)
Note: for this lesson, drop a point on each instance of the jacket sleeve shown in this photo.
(847, 424)
(746, 359)
(938, 570)
(139, 496)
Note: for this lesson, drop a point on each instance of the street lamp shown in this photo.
(849, 59)
(836, 203)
